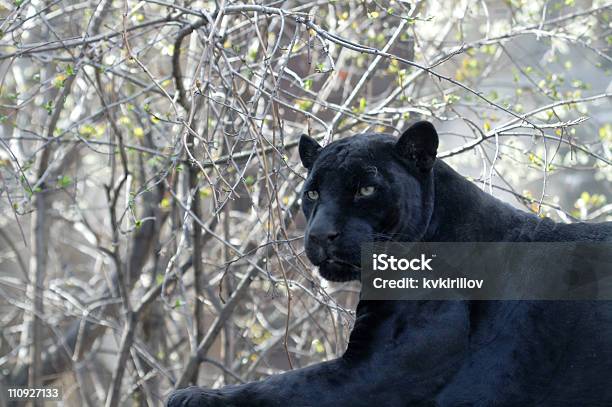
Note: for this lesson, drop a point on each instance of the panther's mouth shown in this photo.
(338, 270)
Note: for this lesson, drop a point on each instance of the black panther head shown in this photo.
(370, 187)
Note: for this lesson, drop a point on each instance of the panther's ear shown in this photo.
(309, 150)
(419, 144)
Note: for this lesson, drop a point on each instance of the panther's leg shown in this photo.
(400, 353)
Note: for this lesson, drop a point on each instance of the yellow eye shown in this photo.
(366, 191)
(312, 194)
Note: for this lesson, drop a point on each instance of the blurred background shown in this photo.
(150, 231)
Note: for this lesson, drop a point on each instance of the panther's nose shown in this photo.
(324, 236)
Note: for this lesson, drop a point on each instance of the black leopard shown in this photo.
(374, 187)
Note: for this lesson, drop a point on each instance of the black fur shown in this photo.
(432, 353)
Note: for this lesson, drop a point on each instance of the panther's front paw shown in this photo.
(195, 397)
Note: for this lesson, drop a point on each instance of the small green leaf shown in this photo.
(249, 180)
(64, 181)
(318, 346)
(48, 107)
(205, 192)
(605, 132)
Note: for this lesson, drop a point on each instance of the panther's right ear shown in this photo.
(309, 150)
(419, 144)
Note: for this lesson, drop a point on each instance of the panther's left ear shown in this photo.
(309, 150)
(419, 144)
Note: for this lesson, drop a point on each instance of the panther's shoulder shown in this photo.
(547, 230)
(464, 212)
